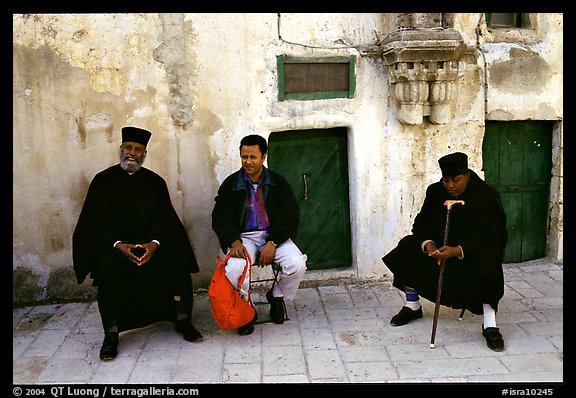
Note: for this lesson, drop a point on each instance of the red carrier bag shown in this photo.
(229, 310)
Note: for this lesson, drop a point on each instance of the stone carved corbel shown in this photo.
(412, 95)
(424, 65)
(441, 95)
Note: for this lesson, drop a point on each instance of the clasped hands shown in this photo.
(139, 253)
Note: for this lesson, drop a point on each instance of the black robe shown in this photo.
(134, 209)
(478, 226)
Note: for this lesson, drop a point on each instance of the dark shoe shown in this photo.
(494, 339)
(109, 348)
(277, 308)
(405, 315)
(249, 327)
(185, 328)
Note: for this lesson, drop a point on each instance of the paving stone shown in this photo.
(242, 373)
(282, 360)
(371, 372)
(325, 364)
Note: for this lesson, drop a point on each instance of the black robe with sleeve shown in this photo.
(134, 209)
(478, 226)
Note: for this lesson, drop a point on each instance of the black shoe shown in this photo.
(405, 315)
(109, 348)
(277, 308)
(494, 339)
(185, 328)
(249, 327)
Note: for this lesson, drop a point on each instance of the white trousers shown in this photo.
(288, 256)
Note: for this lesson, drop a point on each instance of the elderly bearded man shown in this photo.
(131, 242)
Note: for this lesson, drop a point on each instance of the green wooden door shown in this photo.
(315, 163)
(517, 161)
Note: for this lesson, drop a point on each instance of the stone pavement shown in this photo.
(336, 334)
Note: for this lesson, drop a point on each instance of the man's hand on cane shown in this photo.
(442, 252)
(446, 252)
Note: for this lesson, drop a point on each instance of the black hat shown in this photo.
(135, 134)
(453, 164)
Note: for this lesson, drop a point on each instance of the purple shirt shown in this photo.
(254, 217)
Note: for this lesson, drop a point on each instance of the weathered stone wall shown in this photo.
(200, 82)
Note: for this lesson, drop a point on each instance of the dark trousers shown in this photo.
(131, 296)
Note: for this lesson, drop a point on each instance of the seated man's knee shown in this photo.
(235, 267)
(294, 265)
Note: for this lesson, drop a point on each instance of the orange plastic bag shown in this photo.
(229, 310)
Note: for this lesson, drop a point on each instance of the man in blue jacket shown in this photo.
(256, 213)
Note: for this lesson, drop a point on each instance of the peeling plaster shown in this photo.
(500, 114)
(530, 73)
(172, 53)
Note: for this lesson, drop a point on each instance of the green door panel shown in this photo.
(535, 221)
(517, 161)
(315, 164)
(512, 203)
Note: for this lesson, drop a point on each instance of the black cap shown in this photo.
(453, 164)
(135, 134)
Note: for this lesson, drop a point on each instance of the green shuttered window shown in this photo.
(315, 78)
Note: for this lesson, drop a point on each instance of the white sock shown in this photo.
(489, 316)
(413, 305)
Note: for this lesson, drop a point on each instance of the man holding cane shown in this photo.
(470, 255)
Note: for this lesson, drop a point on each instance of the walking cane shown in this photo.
(448, 204)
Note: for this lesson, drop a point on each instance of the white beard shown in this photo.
(131, 166)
